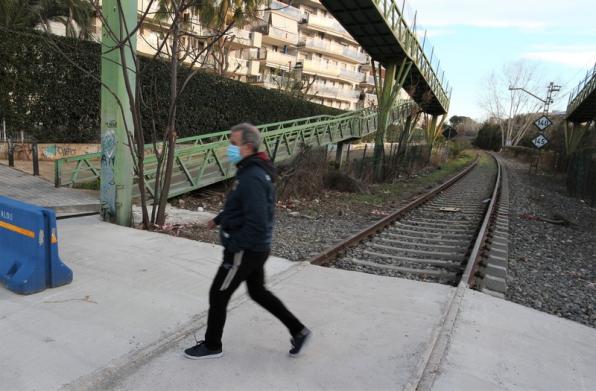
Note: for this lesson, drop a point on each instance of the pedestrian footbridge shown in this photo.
(582, 100)
(380, 28)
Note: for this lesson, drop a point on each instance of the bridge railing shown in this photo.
(582, 90)
(202, 160)
(394, 17)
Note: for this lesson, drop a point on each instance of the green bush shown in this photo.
(54, 100)
(456, 146)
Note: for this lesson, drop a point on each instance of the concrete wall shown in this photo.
(48, 152)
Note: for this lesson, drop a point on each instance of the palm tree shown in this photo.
(75, 15)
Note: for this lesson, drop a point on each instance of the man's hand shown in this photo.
(211, 224)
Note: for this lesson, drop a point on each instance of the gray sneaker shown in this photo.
(200, 351)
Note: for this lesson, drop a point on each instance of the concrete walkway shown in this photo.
(499, 345)
(138, 296)
(34, 190)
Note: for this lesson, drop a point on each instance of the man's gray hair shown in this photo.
(250, 134)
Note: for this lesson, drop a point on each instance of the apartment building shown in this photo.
(290, 40)
(304, 41)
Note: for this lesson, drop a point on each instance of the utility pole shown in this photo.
(549, 100)
(116, 161)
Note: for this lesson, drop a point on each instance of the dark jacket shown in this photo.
(246, 222)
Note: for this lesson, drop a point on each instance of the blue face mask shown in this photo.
(234, 154)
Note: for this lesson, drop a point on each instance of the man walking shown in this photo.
(246, 225)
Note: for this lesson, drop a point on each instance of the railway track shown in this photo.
(434, 238)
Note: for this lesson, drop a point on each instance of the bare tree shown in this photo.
(514, 111)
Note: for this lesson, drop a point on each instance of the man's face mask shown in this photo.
(234, 153)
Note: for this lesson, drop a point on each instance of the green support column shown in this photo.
(116, 161)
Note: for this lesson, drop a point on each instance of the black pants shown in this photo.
(237, 267)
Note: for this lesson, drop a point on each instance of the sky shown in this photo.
(473, 38)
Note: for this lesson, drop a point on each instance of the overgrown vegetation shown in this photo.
(312, 172)
(382, 193)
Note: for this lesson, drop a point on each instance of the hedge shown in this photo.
(48, 97)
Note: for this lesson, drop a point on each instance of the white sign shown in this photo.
(540, 141)
(543, 122)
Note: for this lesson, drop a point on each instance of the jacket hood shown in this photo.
(262, 160)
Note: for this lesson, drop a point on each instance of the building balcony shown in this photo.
(277, 36)
(321, 45)
(278, 60)
(354, 54)
(286, 10)
(332, 48)
(320, 68)
(350, 95)
(353, 76)
(327, 25)
(334, 93)
(244, 38)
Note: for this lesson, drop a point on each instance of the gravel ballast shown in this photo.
(552, 267)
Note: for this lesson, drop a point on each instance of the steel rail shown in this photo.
(469, 274)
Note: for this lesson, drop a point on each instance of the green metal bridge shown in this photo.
(201, 160)
(582, 100)
(380, 28)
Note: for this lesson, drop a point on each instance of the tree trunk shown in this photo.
(171, 131)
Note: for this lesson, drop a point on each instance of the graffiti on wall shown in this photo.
(108, 183)
(53, 151)
(22, 151)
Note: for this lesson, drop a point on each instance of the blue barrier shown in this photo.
(29, 260)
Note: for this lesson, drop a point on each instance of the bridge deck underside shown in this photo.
(366, 24)
(585, 111)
